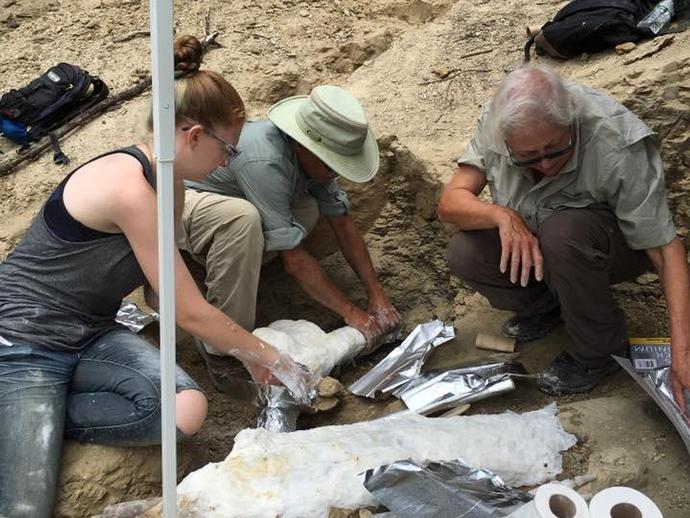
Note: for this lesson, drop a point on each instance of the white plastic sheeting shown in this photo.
(304, 473)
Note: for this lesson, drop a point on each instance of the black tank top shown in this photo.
(61, 294)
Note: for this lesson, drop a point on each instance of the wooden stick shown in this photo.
(109, 103)
(131, 36)
(452, 74)
(494, 343)
(458, 410)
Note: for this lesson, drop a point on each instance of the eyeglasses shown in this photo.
(230, 150)
(546, 156)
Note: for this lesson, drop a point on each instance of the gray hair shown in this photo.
(530, 93)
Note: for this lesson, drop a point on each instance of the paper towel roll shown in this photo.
(554, 501)
(622, 502)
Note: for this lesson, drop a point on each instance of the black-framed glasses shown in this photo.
(230, 150)
(550, 155)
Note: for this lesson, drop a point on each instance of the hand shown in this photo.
(680, 381)
(296, 378)
(385, 314)
(368, 325)
(261, 375)
(520, 248)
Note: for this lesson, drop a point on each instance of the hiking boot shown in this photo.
(526, 329)
(225, 371)
(566, 375)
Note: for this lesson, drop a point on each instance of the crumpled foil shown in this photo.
(442, 490)
(133, 318)
(405, 362)
(657, 383)
(440, 389)
(279, 411)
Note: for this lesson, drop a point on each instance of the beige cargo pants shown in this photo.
(223, 234)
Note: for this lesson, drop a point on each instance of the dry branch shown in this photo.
(131, 36)
(452, 74)
(37, 148)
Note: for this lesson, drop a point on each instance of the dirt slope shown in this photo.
(393, 55)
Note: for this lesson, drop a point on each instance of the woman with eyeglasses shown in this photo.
(66, 367)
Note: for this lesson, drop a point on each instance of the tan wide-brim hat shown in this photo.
(331, 123)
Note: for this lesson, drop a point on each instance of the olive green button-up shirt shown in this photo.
(615, 164)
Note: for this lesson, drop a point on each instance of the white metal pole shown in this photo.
(162, 72)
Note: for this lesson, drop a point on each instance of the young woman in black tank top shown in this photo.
(65, 366)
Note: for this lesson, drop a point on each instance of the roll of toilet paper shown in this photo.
(554, 501)
(622, 502)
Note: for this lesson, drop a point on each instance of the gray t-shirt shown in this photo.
(615, 164)
(266, 174)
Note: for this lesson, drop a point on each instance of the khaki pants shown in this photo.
(224, 235)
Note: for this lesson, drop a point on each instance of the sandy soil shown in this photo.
(393, 55)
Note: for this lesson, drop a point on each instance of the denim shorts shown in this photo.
(107, 393)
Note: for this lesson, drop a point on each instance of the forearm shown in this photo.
(464, 210)
(218, 330)
(355, 251)
(307, 271)
(670, 263)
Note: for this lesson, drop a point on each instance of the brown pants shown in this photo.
(584, 253)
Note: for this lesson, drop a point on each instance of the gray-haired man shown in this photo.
(578, 204)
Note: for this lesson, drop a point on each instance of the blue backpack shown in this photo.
(61, 93)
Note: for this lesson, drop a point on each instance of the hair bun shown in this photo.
(188, 54)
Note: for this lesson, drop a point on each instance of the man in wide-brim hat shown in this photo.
(269, 198)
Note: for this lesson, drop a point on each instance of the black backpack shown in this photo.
(590, 26)
(46, 103)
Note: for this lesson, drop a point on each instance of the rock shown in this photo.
(441, 72)
(324, 404)
(12, 22)
(671, 92)
(624, 48)
(329, 387)
(618, 466)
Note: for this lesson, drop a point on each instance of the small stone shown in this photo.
(304, 13)
(323, 404)
(672, 66)
(624, 48)
(329, 387)
(441, 72)
(671, 92)
(12, 22)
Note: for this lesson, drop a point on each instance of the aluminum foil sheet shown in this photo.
(437, 390)
(279, 411)
(133, 318)
(657, 383)
(405, 362)
(442, 490)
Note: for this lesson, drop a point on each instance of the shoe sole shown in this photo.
(559, 391)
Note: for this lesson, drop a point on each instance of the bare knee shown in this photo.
(191, 407)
